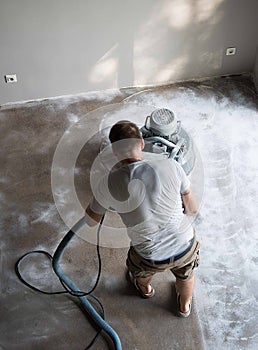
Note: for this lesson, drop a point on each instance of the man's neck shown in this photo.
(131, 160)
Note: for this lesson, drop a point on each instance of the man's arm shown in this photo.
(92, 218)
(190, 204)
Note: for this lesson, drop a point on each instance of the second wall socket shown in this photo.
(230, 51)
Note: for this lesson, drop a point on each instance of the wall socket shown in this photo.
(231, 51)
(10, 78)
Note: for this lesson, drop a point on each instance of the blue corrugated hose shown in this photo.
(64, 278)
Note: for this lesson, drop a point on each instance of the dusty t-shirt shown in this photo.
(147, 195)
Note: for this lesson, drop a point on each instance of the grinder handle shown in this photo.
(146, 122)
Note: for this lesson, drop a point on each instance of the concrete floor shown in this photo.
(36, 214)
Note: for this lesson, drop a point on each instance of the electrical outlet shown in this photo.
(231, 51)
(11, 78)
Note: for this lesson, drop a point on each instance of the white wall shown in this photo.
(59, 47)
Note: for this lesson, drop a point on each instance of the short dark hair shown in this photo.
(124, 129)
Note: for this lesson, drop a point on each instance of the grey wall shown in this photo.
(59, 47)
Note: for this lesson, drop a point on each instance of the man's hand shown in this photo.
(190, 204)
(92, 218)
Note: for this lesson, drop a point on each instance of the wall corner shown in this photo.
(255, 70)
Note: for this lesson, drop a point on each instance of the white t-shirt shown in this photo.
(147, 195)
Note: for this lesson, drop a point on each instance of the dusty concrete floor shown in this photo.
(36, 215)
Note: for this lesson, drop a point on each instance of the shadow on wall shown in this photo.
(177, 38)
(60, 47)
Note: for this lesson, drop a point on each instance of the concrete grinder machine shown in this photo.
(164, 135)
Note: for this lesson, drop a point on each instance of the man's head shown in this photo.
(126, 139)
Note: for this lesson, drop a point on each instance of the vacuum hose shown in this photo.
(66, 280)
